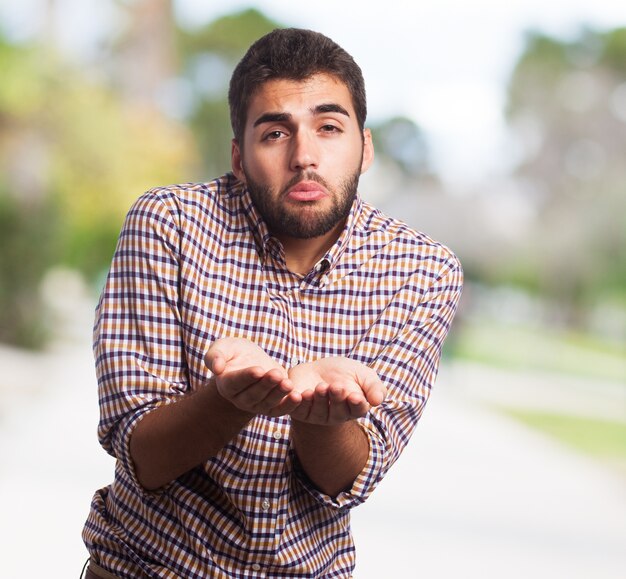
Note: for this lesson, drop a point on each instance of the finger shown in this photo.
(319, 407)
(267, 384)
(304, 408)
(215, 360)
(274, 394)
(357, 406)
(373, 388)
(287, 405)
(231, 384)
(346, 405)
(338, 410)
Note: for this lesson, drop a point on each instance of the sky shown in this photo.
(444, 63)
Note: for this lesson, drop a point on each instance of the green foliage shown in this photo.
(209, 55)
(229, 36)
(28, 242)
(615, 49)
(401, 141)
(561, 104)
(75, 153)
(28, 219)
(73, 156)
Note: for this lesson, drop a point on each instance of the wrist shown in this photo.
(320, 431)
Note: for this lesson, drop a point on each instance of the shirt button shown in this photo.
(265, 505)
(277, 435)
(256, 567)
(294, 362)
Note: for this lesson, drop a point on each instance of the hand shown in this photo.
(335, 390)
(247, 377)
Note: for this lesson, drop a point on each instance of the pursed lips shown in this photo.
(306, 191)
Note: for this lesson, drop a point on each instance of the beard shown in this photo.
(284, 220)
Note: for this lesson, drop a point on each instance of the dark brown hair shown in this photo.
(292, 54)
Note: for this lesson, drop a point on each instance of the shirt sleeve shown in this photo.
(407, 363)
(138, 348)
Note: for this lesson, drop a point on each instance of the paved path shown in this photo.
(474, 495)
(477, 495)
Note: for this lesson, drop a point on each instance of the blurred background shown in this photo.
(500, 130)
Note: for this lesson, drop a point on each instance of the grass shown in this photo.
(600, 438)
(528, 348)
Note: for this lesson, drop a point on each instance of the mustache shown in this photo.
(305, 176)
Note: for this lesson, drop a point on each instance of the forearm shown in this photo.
(179, 436)
(332, 456)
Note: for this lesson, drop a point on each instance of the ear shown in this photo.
(235, 161)
(368, 151)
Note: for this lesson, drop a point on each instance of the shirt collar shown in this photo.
(258, 227)
(339, 247)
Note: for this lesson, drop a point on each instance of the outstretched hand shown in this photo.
(252, 381)
(335, 390)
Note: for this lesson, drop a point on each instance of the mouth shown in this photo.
(306, 191)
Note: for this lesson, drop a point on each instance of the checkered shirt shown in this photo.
(195, 263)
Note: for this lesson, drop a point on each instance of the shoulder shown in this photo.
(211, 197)
(399, 241)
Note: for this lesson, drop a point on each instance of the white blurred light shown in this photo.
(464, 123)
(618, 102)
(176, 98)
(530, 132)
(585, 159)
(578, 91)
(211, 74)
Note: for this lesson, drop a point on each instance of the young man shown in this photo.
(266, 342)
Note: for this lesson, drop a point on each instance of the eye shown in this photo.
(330, 129)
(273, 135)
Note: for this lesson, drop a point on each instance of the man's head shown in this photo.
(292, 54)
(298, 108)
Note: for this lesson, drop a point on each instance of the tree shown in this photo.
(401, 141)
(567, 107)
(73, 156)
(209, 54)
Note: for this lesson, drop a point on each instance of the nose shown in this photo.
(304, 153)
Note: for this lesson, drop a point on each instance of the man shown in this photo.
(265, 342)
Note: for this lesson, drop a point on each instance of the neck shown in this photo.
(301, 255)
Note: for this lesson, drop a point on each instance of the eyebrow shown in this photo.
(285, 117)
(272, 118)
(330, 108)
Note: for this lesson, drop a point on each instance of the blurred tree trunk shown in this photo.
(147, 57)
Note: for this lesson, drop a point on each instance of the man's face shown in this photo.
(302, 155)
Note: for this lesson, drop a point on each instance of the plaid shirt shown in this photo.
(195, 263)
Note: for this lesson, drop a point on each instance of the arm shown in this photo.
(408, 366)
(331, 446)
(153, 419)
(332, 456)
(176, 437)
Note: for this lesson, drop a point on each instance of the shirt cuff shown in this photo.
(365, 482)
(121, 448)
